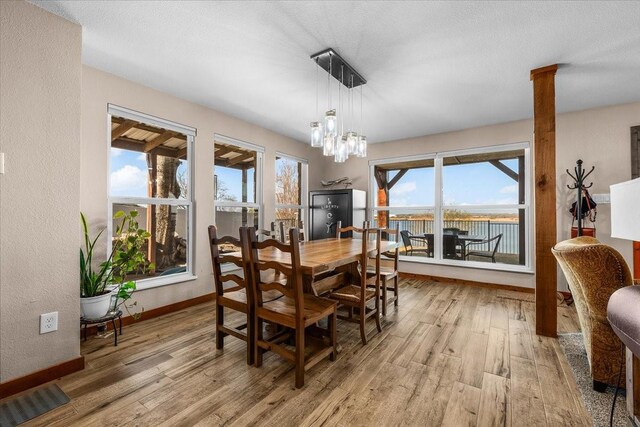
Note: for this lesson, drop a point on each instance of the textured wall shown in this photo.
(40, 75)
(600, 137)
(100, 88)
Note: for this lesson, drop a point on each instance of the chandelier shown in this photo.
(336, 133)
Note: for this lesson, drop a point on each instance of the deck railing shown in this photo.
(509, 244)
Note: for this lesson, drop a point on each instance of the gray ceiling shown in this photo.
(431, 66)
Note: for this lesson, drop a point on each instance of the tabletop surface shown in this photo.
(317, 256)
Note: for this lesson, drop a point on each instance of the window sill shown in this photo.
(470, 264)
(156, 282)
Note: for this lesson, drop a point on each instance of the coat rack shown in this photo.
(579, 177)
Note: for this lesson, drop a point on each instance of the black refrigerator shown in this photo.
(327, 207)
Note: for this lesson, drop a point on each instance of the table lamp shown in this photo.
(625, 210)
(625, 217)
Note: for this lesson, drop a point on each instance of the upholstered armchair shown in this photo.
(594, 271)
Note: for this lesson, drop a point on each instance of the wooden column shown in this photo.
(544, 147)
(152, 190)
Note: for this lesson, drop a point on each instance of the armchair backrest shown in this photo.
(593, 270)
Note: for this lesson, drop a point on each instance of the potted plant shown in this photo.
(109, 279)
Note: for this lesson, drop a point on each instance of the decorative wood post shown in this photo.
(544, 147)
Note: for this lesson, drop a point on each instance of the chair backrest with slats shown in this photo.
(392, 234)
(367, 235)
(218, 258)
(340, 229)
(292, 286)
(284, 236)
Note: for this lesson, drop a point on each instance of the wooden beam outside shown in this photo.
(122, 129)
(138, 146)
(224, 149)
(544, 147)
(158, 141)
(505, 169)
(397, 178)
(240, 159)
(148, 128)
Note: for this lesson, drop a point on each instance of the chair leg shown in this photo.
(258, 337)
(600, 387)
(219, 322)
(395, 290)
(250, 338)
(333, 335)
(377, 315)
(362, 319)
(384, 296)
(299, 356)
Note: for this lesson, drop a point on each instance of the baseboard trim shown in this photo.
(40, 377)
(466, 282)
(157, 312)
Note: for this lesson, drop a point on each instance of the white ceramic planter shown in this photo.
(95, 307)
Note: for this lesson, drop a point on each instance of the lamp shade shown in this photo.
(625, 210)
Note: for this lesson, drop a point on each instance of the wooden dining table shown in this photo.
(327, 263)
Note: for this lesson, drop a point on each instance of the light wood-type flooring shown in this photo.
(450, 355)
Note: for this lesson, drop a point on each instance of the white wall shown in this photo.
(99, 89)
(600, 137)
(39, 192)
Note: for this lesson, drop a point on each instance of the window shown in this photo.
(237, 185)
(466, 207)
(291, 190)
(150, 172)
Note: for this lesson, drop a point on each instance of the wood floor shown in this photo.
(451, 355)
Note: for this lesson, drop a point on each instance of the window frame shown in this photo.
(190, 132)
(259, 203)
(304, 188)
(439, 208)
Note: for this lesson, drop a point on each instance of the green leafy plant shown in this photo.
(126, 258)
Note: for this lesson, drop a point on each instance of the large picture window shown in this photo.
(462, 207)
(150, 172)
(237, 185)
(291, 190)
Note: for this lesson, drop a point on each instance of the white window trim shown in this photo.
(258, 204)
(439, 207)
(304, 189)
(190, 132)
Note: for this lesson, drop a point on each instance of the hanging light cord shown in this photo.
(360, 109)
(317, 87)
(615, 396)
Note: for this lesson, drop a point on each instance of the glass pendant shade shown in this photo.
(342, 150)
(352, 142)
(328, 147)
(362, 146)
(331, 123)
(317, 136)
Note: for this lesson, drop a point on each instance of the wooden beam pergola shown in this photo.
(122, 128)
(158, 141)
(544, 148)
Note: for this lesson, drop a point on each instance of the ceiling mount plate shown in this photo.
(334, 64)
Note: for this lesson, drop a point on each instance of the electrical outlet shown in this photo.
(48, 322)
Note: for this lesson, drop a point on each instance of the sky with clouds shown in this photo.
(466, 184)
(129, 173)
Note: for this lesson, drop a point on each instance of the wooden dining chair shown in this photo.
(357, 296)
(283, 239)
(269, 234)
(388, 272)
(235, 298)
(295, 310)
